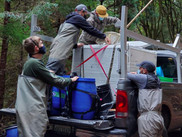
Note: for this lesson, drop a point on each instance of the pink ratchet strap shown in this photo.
(92, 56)
(100, 64)
(98, 61)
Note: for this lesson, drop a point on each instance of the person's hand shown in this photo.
(133, 72)
(74, 78)
(80, 45)
(52, 71)
(107, 40)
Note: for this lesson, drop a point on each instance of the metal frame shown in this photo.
(123, 56)
(124, 34)
(35, 28)
(127, 33)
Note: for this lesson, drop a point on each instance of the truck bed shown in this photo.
(93, 127)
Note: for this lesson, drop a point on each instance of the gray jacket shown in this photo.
(99, 25)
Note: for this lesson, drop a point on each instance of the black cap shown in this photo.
(81, 7)
(147, 65)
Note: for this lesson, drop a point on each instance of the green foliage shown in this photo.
(16, 32)
(43, 9)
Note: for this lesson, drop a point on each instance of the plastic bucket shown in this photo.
(12, 131)
(82, 102)
(58, 99)
(105, 94)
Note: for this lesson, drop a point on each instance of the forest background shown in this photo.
(162, 20)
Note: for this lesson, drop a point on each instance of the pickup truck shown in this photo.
(120, 121)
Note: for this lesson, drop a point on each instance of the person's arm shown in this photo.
(83, 24)
(113, 21)
(94, 32)
(46, 76)
(139, 79)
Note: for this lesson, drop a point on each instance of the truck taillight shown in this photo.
(121, 104)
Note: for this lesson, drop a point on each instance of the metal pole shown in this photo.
(178, 67)
(33, 24)
(123, 57)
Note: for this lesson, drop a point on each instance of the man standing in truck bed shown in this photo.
(150, 121)
(67, 38)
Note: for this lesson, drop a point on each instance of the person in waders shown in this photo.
(150, 120)
(67, 38)
(31, 110)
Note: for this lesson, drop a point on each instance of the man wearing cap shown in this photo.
(67, 38)
(98, 19)
(150, 121)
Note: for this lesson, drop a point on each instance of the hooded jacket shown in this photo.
(68, 34)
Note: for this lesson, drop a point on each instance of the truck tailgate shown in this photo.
(84, 124)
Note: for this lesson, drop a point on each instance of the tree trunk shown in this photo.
(4, 51)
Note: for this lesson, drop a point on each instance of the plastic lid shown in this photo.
(86, 79)
(12, 127)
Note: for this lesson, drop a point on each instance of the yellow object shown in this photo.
(102, 11)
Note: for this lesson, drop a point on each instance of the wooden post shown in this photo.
(139, 13)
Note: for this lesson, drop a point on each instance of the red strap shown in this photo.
(101, 66)
(98, 61)
(95, 53)
(92, 56)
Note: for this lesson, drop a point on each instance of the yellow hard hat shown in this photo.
(102, 11)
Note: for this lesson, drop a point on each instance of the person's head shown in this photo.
(33, 45)
(146, 67)
(101, 12)
(82, 10)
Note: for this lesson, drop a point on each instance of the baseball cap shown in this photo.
(81, 7)
(147, 65)
(102, 11)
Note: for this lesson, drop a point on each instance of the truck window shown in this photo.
(168, 66)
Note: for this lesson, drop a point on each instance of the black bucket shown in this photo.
(106, 100)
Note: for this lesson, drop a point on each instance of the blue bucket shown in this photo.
(82, 102)
(12, 131)
(58, 99)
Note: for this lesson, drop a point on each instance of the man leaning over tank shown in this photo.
(67, 38)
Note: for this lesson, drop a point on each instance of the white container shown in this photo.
(91, 69)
